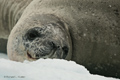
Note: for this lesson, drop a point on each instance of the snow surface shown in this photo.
(3, 55)
(45, 69)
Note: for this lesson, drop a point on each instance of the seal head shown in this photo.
(47, 38)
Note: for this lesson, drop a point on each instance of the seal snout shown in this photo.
(62, 52)
(50, 49)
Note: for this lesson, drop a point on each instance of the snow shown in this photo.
(45, 69)
(3, 55)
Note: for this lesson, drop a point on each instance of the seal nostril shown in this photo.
(37, 55)
(65, 49)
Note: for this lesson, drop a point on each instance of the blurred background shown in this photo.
(3, 45)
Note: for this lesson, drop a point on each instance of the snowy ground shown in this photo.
(45, 69)
(3, 55)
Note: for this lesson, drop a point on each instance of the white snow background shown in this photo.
(45, 69)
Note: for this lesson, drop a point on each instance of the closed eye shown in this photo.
(32, 35)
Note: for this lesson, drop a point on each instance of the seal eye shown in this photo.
(32, 35)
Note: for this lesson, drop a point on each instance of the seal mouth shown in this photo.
(52, 53)
(29, 56)
(55, 52)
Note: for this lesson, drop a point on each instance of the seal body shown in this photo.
(87, 29)
(10, 12)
